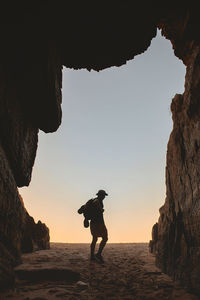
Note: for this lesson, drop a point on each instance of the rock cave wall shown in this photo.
(175, 238)
(37, 39)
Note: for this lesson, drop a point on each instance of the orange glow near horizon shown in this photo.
(127, 228)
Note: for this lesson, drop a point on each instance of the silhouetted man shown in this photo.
(97, 225)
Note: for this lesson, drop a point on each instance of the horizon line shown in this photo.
(107, 242)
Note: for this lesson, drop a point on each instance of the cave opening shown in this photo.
(114, 134)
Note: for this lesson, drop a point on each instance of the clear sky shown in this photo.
(114, 133)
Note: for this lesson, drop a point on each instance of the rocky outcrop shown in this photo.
(22, 79)
(11, 221)
(175, 238)
(35, 236)
(18, 231)
(176, 242)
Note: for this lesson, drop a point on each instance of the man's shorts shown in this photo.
(98, 230)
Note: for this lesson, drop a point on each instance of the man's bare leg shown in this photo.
(101, 246)
(92, 247)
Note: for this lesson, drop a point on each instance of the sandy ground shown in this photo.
(128, 273)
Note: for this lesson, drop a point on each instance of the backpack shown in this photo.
(87, 210)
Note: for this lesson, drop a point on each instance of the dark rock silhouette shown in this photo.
(34, 236)
(176, 241)
(37, 39)
(19, 234)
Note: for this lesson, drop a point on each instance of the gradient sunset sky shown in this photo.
(114, 133)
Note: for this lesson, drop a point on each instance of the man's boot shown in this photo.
(92, 257)
(99, 257)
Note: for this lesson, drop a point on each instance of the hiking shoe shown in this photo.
(99, 257)
(86, 223)
(92, 258)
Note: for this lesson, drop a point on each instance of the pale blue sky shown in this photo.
(114, 133)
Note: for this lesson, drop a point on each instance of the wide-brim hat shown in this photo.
(102, 192)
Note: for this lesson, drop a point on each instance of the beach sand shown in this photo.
(128, 273)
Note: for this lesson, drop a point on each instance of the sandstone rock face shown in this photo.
(11, 221)
(20, 80)
(34, 236)
(176, 239)
(18, 231)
